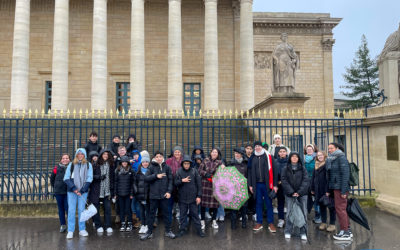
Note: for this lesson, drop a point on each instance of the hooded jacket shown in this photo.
(141, 186)
(135, 164)
(338, 171)
(159, 187)
(203, 156)
(90, 146)
(295, 181)
(57, 179)
(188, 191)
(69, 174)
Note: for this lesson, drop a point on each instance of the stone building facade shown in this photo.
(155, 54)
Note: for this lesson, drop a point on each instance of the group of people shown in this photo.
(143, 187)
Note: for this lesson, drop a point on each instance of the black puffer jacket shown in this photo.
(188, 191)
(141, 186)
(319, 182)
(295, 181)
(57, 179)
(241, 167)
(90, 146)
(124, 182)
(338, 171)
(159, 187)
(94, 191)
(113, 147)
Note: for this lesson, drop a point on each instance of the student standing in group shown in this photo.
(135, 206)
(124, 190)
(198, 150)
(280, 163)
(78, 176)
(338, 176)
(114, 145)
(295, 184)
(174, 162)
(310, 154)
(93, 143)
(207, 170)
(107, 170)
(261, 181)
(319, 188)
(274, 148)
(188, 182)
(60, 189)
(142, 192)
(251, 207)
(241, 165)
(94, 191)
(159, 178)
(132, 144)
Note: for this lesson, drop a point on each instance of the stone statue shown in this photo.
(392, 44)
(285, 64)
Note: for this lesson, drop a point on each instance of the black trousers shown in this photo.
(107, 213)
(161, 204)
(193, 213)
(242, 211)
(332, 214)
(124, 203)
(144, 212)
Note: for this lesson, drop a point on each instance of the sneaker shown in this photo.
(83, 233)
(287, 236)
(146, 236)
(70, 235)
(275, 210)
(170, 235)
(285, 210)
(208, 216)
(303, 237)
(100, 230)
(109, 230)
(146, 229)
(129, 227)
(214, 224)
(342, 235)
(141, 230)
(317, 220)
(257, 227)
(137, 224)
(350, 232)
(331, 228)
(221, 219)
(203, 224)
(123, 227)
(281, 223)
(272, 228)
(63, 228)
(254, 217)
(322, 227)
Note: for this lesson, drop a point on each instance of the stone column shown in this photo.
(138, 81)
(389, 76)
(327, 43)
(20, 58)
(59, 92)
(175, 86)
(246, 55)
(211, 55)
(99, 56)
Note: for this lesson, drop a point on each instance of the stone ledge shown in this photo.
(389, 204)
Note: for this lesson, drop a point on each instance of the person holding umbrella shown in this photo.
(338, 180)
(240, 163)
(295, 183)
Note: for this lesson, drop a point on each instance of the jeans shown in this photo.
(107, 213)
(144, 212)
(281, 203)
(317, 211)
(289, 202)
(324, 215)
(261, 198)
(125, 208)
(221, 211)
(212, 211)
(62, 204)
(163, 205)
(73, 201)
(193, 213)
(135, 207)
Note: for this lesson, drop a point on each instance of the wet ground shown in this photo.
(43, 234)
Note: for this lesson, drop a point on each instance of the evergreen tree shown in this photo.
(362, 79)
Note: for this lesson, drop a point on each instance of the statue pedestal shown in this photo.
(283, 101)
(389, 76)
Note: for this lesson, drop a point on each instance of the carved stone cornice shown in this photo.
(327, 44)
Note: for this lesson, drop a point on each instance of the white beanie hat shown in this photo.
(276, 136)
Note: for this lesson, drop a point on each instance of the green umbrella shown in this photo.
(230, 188)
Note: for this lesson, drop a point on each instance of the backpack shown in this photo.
(354, 177)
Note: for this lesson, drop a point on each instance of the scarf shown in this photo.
(269, 162)
(79, 174)
(295, 166)
(333, 156)
(143, 170)
(105, 184)
(310, 158)
(240, 160)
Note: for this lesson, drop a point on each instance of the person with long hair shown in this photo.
(78, 176)
(338, 179)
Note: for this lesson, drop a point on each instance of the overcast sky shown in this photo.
(377, 19)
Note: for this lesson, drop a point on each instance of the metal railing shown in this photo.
(31, 147)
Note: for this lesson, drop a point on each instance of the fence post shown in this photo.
(15, 160)
(201, 132)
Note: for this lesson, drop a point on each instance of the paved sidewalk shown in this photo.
(43, 234)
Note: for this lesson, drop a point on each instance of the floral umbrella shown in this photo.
(230, 188)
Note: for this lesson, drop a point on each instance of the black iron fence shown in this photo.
(30, 148)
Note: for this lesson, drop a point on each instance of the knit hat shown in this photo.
(238, 150)
(310, 145)
(124, 159)
(277, 136)
(145, 156)
(257, 143)
(186, 158)
(177, 148)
